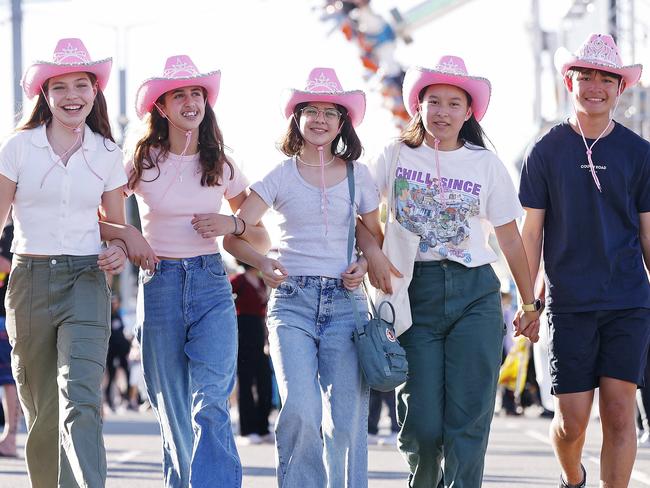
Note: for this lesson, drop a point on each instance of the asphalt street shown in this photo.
(518, 455)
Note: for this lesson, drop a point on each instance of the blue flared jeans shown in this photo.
(189, 356)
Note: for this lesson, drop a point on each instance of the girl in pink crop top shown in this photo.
(186, 322)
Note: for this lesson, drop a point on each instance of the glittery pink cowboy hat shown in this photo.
(179, 72)
(599, 52)
(323, 86)
(450, 70)
(70, 56)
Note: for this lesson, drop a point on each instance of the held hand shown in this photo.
(353, 275)
(527, 324)
(380, 270)
(212, 225)
(112, 259)
(273, 273)
(140, 252)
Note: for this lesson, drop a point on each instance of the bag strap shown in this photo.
(353, 219)
(391, 180)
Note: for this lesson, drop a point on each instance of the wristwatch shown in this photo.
(536, 306)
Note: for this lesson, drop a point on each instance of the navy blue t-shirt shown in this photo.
(592, 254)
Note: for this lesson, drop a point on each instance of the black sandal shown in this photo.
(582, 484)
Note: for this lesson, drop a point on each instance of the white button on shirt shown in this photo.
(61, 216)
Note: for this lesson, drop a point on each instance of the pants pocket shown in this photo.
(92, 297)
(86, 364)
(18, 304)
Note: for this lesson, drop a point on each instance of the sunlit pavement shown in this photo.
(518, 455)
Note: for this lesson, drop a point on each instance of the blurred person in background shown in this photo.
(10, 406)
(118, 352)
(253, 364)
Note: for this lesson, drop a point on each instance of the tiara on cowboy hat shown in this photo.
(70, 56)
(599, 52)
(323, 86)
(179, 72)
(450, 70)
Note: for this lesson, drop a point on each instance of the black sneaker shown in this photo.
(582, 484)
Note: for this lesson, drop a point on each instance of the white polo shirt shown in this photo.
(61, 216)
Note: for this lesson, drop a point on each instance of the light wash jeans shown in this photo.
(321, 432)
(189, 357)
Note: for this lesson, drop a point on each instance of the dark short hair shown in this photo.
(346, 145)
(585, 71)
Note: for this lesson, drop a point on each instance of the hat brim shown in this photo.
(41, 71)
(150, 90)
(353, 101)
(564, 60)
(418, 78)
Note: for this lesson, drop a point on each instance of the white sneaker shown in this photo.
(373, 439)
(644, 440)
(249, 440)
(268, 438)
(389, 440)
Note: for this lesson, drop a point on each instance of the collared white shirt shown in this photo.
(55, 206)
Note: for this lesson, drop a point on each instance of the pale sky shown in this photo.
(262, 46)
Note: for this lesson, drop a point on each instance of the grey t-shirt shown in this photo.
(305, 249)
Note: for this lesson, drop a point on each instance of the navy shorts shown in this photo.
(585, 346)
(6, 377)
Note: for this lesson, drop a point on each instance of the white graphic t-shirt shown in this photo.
(478, 194)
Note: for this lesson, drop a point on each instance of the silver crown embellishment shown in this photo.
(599, 51)
(451, 67)
(181, 67)
(321, 83)
(71, 52)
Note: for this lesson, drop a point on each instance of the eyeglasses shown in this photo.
(330, 114)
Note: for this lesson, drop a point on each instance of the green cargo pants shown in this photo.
(58, 322)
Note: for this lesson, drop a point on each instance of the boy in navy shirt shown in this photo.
(585, 186)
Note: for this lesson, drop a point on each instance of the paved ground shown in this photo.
(518, 455)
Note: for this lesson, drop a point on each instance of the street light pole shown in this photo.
(17, 37)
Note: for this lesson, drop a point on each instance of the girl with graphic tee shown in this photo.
(187, 324)
(56, 170)
(321, 431)
(450, 191)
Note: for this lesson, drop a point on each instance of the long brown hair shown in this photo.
(346, 145)
(97, 119)
(414, 133)
(212, 156)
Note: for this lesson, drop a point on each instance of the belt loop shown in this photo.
(204, 261)
(29, 263)
(417, 268)
(70, 263)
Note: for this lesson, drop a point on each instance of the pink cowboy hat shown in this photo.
(450, 70)
(179, 72)
(323, 86)
(599, 51)
(70, 56)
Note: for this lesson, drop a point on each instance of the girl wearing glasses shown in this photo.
(180, 175)
(309, 317)
(449, 192)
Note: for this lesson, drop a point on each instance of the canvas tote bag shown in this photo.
(400, 247)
